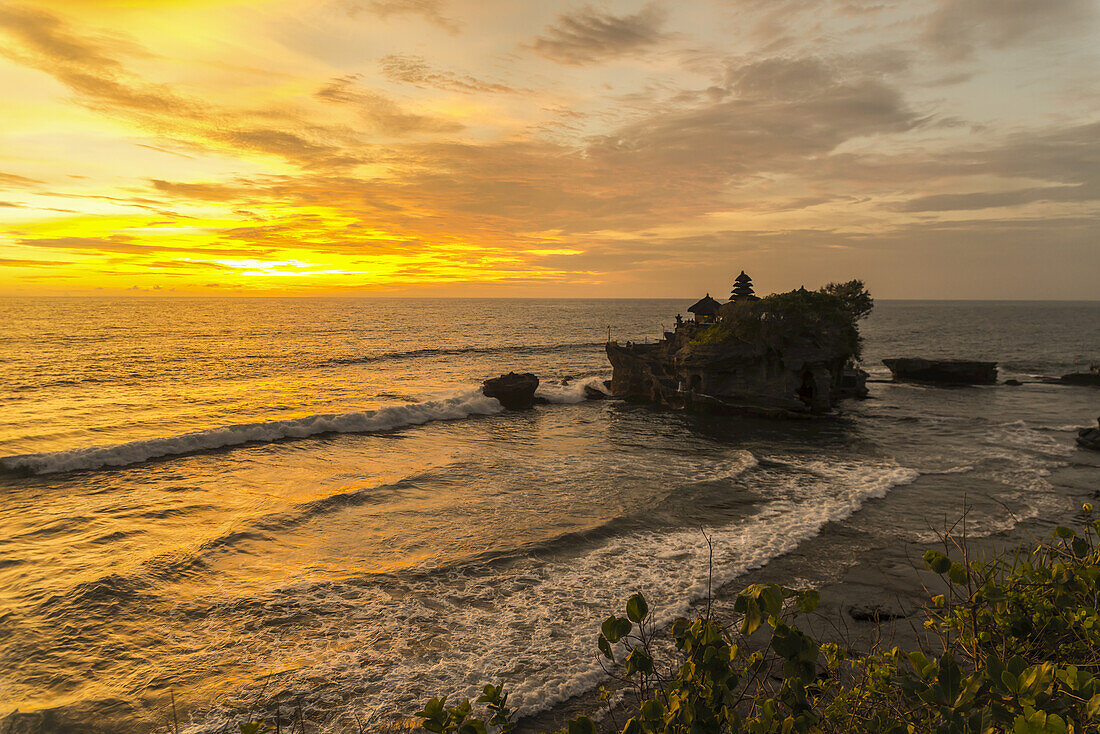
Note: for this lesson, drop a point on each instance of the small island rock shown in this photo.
(1089, 438)
(942, 371)
(1087, 379)
(514, 391)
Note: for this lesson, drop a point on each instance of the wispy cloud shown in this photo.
(430, 10)
(13, 181)
(957, 27)
(381, 113)
(414, 70)
(589, 36)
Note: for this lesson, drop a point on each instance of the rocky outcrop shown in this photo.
(593, 393)
(1089, 379)
(514, 391)
(942, 371)
(783, 356)
(853, 383)
(1089, 438)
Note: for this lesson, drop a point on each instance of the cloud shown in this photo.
(86, 65)
(51, 37)
(588, 36)
(993, 200)
(125, 244)
(430, 10)
(8, 262)
(1066, 158)
(957, 27)
(12, 181)
(200, 191)
(414, 70)
(383, 114)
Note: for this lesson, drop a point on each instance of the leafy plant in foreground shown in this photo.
(1018, 642)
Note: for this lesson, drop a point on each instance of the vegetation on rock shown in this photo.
(782, 319)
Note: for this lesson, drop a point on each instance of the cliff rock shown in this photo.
(782, 356)
(942, 371)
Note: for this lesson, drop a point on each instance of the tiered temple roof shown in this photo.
(742, 289)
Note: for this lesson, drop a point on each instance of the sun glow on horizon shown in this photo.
(465, 148)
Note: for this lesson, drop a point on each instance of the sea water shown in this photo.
(306, 503)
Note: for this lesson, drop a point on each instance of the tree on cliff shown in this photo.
(857, 299)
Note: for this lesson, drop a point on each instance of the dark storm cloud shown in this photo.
(588, 36)
(957, 27)
(414, 70)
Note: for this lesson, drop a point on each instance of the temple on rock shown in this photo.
(780, 356)
(742, 289)
(705, 310)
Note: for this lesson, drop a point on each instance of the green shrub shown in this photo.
(776, 321)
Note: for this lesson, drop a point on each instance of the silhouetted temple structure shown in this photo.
(781, 356)
(706, 310)
(742, 289)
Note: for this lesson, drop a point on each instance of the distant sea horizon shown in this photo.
(695, 296)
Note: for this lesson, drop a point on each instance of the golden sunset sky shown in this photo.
(934, 148)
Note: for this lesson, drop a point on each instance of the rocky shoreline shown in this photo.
(873, 588)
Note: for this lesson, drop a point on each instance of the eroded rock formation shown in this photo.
(782, 356)
(514, 391)
(1089, 438)
(942, 371)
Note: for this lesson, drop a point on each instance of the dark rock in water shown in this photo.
(875, 613)
(1089, 379)
(1089, 438)
(514, 391)
(853, 383)
(594, 393)
(942, 371)
(778, 357)
(1013, 383)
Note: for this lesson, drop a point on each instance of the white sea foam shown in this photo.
(533, 625)
(963, 469)
(574, 392)
(368, 421)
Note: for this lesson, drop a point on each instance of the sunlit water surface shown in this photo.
(306, 501)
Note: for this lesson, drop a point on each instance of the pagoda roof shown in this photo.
(706, 306)
(742, 278)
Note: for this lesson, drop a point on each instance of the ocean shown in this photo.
(306, 503)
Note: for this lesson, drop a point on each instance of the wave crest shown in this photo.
(137, 452)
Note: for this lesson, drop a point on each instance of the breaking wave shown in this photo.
(455, 351)
(367, 421)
